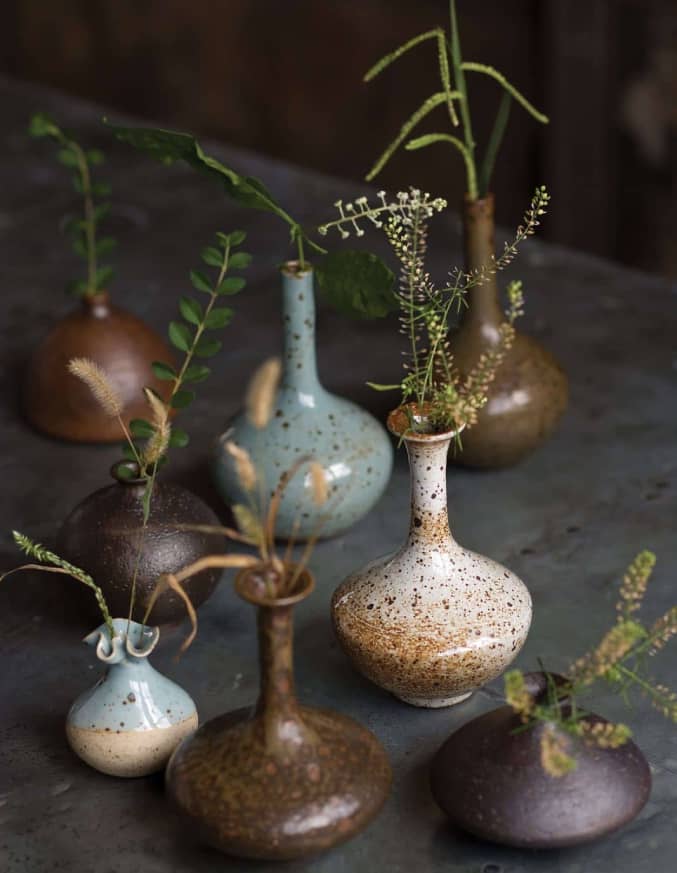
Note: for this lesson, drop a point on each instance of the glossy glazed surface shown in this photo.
(60, 404)
(351, 445)
(434, 621)
(130, 722)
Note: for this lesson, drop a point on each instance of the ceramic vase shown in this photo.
(282, 780)
(60, 404)
(131, 721)
(433, 621)
(351, 445)
(488, 779)
(530, 391)
(103, 533)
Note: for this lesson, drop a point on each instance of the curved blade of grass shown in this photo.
(473, 67)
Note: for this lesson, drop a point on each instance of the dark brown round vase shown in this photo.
(101, 535)
(530, 391)
(282, 781)
(60, 404)
(490, 782)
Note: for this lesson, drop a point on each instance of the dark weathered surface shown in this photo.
(567, 520)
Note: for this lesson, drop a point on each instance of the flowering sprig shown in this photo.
(618, 660)
(409, 206)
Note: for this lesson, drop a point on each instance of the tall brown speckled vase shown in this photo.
(281, 781)
(530, 391)
(62, 406)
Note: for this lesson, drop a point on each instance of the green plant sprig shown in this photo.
(82, 231)
(618, 661)
(452, 70)
(59, 565)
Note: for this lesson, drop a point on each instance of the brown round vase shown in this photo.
(282, 781)
(530, 391)
(490, 782)
(102, 536)
(60, 404)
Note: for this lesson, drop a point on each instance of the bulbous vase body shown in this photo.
(433, 621)
(103, 535)
(490, 781)
(349, 442)
(131, 721)
(60, 404)
(282, 781)
(530, 391)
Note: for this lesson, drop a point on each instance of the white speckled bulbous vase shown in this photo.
(131, 721)
(432, 622)
(352, 446)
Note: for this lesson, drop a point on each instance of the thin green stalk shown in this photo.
(86, 179)
(494, 144)
(459, 82)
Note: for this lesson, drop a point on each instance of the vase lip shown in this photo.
(252, 588)
(122, 479)
(132, 637)
(536, 683)
(294, 270)
(97, 304)
(399, 422)
(479, 202)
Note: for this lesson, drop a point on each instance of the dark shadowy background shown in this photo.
(284, 77)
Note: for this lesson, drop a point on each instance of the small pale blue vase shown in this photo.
(131, 721)
(350, 444)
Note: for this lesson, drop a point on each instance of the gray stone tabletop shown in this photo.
(567, 520)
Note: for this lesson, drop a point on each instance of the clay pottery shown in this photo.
(530, 391)
(432, 621)
(102, 536)
(60, 404)
(490, 782)
(350, 443)
(131, 721)
(282, 780)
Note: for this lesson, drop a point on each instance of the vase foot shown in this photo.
(435, 702)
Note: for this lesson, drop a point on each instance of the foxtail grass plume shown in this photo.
(261, 393)
(158, 443)
(98, 383)
(244, 467)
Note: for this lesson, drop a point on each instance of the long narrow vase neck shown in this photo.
(428, 465)
(298, 307)
(483, 311)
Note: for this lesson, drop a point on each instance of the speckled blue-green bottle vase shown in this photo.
(131, 721)
(351, 445)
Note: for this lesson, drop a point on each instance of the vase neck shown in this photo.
(277, 708)
(483, 310)
(428, 466)
(298, 308)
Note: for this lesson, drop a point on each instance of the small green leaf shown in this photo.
(207, 348)
(190, 310)
(42, 125)
(101, 211)
(67, 157)
(212, 256)
(105, 245)
(95, 157)
(200, 281)
(123, 471)
(196, 373)
(377, 386)
(239, 260)
(141, 428)
(77, 184)
(237, 237)
(79, 246)
(231, 285)
(101, 189)
(219, 317)
(163, 371)
(182, 399)
(77, 287)
(180, 336)
(178, 439)
(357, 284)
(103, 276)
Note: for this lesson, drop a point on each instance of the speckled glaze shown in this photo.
(433, 621)
(350, 443)
(490, 782)
(131, 721)
(530, 392)
(282, 781)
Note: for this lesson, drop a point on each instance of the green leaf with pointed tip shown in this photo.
(237, 237)
(178, 439)
(42, 125)
(105, 245)
(103, 276)
(196, 373)
(163, 371)
(231, 285)
(212, 256)
(141, 428)
(200, 281)
(79, 246)
(207, 348)
(101, 189)
(67, 158)
(357, 284)
(190, 310)
(219, 318)
(182, 399)
(180, 336)
(123, 471)
(95, 157)
(101, 211)
(239, 260)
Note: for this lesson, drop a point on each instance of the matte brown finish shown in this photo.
(530, 391)
(101, 535)
(282, 781)
(490, 782)
(60, 404)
